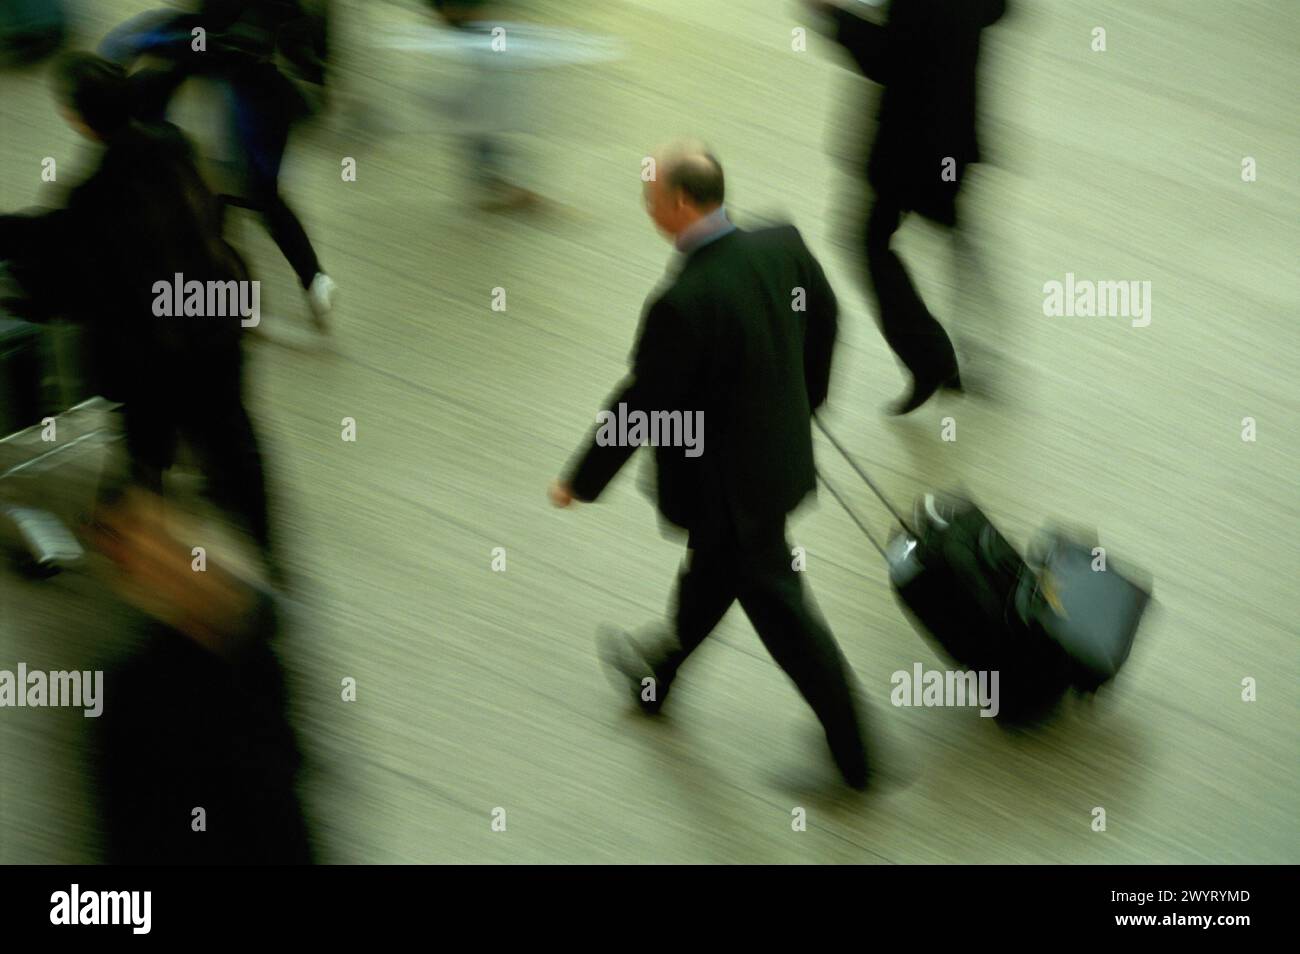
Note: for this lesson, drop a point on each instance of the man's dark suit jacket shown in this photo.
(925, 56)
(726, 339)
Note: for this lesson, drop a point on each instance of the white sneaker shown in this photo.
(320, 298)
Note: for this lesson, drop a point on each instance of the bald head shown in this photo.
(697, 174)
(687, 186)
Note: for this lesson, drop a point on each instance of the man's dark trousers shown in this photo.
(914, 334)
(756, 568)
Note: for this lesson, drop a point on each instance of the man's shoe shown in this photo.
(320, 299)
(629, 671)
(922, 392)
(856, 778)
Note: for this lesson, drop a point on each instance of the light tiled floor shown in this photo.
(480, 689)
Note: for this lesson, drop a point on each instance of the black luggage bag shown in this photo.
(1043, 628)
(968, 590)
(1086, 608)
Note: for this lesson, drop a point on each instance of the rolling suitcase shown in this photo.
(968, 591)
(1086, 608)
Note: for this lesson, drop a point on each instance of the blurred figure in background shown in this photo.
(197, 761)
(31, 29)
(142, 217)
(242, 41)
(925, 55)
(727, 344)
(496, 104)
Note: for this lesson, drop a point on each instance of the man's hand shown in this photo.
(561, 493)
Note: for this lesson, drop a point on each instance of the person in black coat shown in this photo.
(740, 343)
(143, 216)
(195, 716)
(925, 55)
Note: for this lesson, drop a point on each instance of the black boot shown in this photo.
(924, 389)
(629, 670)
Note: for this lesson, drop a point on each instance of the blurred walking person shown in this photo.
(925, 55)
(144, 216)
(497, 102)
(243, 39)
(740, 343)
(198, 763)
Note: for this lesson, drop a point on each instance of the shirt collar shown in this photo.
(704, 230)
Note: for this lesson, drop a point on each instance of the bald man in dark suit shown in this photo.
(740, 341)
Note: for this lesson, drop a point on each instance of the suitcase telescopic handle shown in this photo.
(867, 480)
(852, 516)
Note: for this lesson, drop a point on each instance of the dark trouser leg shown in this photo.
(289, 235)
(772, 595)
(907, 325)
(232, 464)
(705, 591)
(150, 443)
(262, 124)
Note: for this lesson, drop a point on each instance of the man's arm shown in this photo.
(822, 326)
(664, 364)
(864, 40)
(589, 473)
